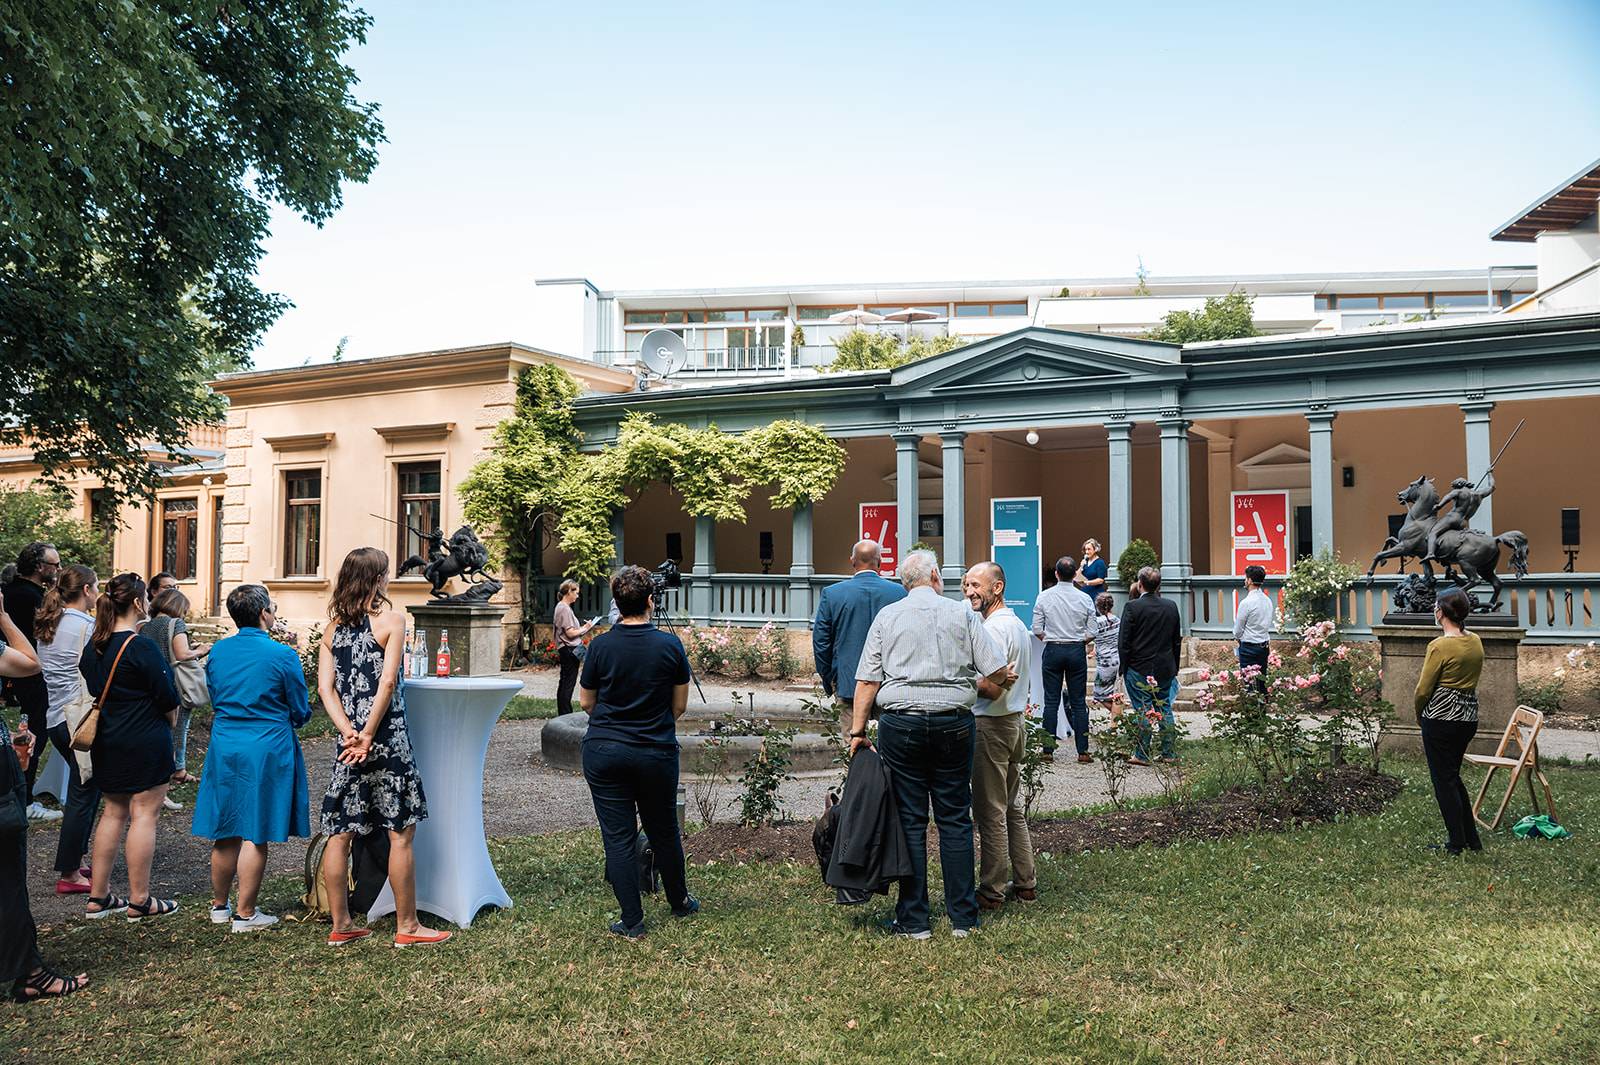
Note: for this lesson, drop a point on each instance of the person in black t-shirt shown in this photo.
(37, 566)
(635, 686)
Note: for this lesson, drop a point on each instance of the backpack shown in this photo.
(315, 899)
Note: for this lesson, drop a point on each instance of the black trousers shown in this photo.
(34, 699)
(1444, 743)
(633, 784)
(569, 679)
(79, 806)
(19, 937)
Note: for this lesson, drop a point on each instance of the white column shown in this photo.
(705, 564)
(1479, 454)
(906, 496)
(1119, 436)
(1320, 423)
(801, 569)
(955, 505)
(1176, 567)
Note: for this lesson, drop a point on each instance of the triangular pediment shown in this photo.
(1040, 358)
(1278, 455)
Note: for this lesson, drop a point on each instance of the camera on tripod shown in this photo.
(667, 575)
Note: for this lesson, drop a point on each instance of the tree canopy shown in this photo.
(864, 349)
(144, 146)
(40, 514)
(1223, 318)
(534, 475)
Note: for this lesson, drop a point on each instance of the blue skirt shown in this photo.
(254, 784)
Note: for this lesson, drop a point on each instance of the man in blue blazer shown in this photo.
(844, 614)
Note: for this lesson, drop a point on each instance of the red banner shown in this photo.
(1261, 531)
(881, 522)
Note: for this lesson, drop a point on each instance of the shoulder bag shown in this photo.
(84, 733)
(77, 710)
(188, 676)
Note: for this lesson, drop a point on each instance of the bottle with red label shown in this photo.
(443, 665)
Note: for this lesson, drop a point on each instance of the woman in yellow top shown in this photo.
(1447, 712)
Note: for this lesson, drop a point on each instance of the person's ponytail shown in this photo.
(122, 592)
(68, 586)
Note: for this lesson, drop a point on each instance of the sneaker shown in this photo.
(425, 938)
(619, 929)
(691, 906)
(167, 803)
(40, 812)
(254, 923)
(222, 914)
(963, 933)
(894, 929)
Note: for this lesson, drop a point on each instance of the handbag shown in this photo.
(189, 676)
(83, 735)
(13, 816)
(75, 712)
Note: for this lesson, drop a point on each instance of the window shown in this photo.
(1405, 303)
(1358, 303)
(939, 309)
(1461, 299)
(103, 514)
(992, 310)
(419, 507)
(180, 522)
(302, 523)
(645, 317)
(1324, 303)
(819, 314)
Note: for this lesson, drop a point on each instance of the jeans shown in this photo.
(629, 784)
(1066, 663)
(1444, 743)
(930, 762)
(997, 805)
(180, 740)
(81, 802)
(1256, 654)
(1140, 699)
(569, 679)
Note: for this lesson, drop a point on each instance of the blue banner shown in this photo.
(1014, 528)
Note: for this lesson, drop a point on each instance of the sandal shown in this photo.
(152, 907)
(183, 776)
(46, 984)
(109, 905)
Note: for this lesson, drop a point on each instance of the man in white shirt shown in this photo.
(1002, 720)
(1252, 622)
(1063, 617)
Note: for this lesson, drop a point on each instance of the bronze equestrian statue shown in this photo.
(462, 556)
(1428, 539)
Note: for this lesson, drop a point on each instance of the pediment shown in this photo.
(1278, 455)
(1040, 358)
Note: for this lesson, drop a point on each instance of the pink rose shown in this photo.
(1205, 675)
(1150, 680)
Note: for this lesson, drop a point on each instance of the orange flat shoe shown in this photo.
(427, 938)
(339, 939)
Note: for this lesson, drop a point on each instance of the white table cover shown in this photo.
(451, 719)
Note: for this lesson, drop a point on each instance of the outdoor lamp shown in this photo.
(1033, 437)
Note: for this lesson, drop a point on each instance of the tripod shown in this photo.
(658, 602)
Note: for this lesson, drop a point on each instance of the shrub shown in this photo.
(1311, 594)
(1135, 557)
(30, 514)
(711, 772)
(308, 656)
(1032, 771)
(759, 801)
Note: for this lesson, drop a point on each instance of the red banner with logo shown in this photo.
(1261, 531)
(881, 522)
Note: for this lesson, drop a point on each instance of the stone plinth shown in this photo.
(476, 636)
(1403, 648)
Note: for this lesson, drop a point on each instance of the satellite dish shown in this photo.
(663, 353)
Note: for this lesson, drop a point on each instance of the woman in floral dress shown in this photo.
(375, 785)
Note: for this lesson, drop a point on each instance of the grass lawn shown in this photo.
(1344, 943)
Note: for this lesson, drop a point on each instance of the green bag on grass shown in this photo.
(1538, 826)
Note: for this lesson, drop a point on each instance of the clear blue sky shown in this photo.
(652, 146)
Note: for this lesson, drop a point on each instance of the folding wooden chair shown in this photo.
(1524, 727)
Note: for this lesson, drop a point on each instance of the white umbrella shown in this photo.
(855, 316)
(909, 315)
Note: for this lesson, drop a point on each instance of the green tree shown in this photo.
(145, 144)
(1137, 555)
(1224, 318)
(862, 349)
(29, 514)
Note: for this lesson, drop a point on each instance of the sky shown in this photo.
(689, 145)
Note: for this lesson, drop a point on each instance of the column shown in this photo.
(1476, 415)
(801, 569)
(1321, 427)
(617, 560)
(1119, 435)
(905, 491)
(705, 564)
(953, 444)
(1175, 564)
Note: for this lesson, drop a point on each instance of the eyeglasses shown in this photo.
(272, 608)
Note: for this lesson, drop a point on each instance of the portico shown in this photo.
(1143, 439)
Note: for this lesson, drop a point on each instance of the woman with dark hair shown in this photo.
(254, 791)
(171, 634)
(635, 686)
(569, 643)
(375, 785)
(20, 963)
(1447, 713)
(63, 628)
(132, 750)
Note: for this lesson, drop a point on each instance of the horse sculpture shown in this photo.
(464, 556)
(1474, 553)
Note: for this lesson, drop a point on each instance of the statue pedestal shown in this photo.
(1402, 649)
(476, 636)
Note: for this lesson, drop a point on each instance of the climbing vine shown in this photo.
(535, 472)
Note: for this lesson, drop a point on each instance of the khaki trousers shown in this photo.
(997, 806)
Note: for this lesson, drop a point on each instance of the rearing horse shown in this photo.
(1419, 498)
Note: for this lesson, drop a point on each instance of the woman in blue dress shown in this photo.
(254, 789)
(1091, 576)
(375, 785)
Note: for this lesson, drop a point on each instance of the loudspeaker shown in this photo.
(675, 547)
(1349, 476)
(766, 552)
(1569, 526)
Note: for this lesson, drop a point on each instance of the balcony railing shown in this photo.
(713, 360)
